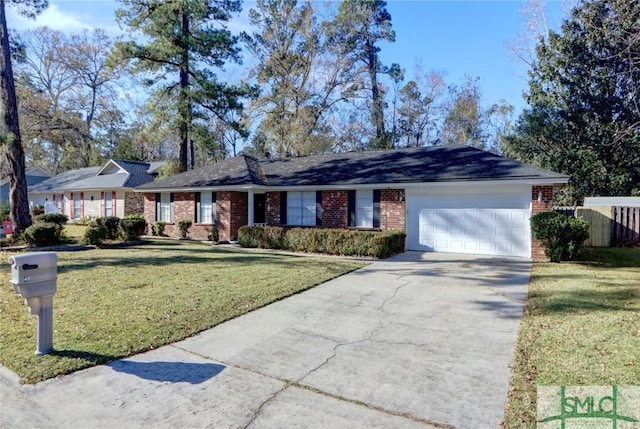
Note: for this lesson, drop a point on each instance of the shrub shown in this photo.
(184, 226)
(37, 211)
(5, 211)
(57, 218)
(561, 236)
(111, 223)
(42, 234)
(214, 234)
(95, 234)
(158, 228)
(132, 227)
(330, 241)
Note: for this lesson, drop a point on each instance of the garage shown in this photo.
(485, 220)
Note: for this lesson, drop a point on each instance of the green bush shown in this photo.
(329, 241)
(214, 234)
(37, 211)
(184, 226)
(561, 236)
(132, 227)
(95, 234)
(158, 228)
(42, 234)
(112, 224)
(5, 211)
(57, 218)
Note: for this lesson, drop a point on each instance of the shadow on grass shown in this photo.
(173, 372)
(619, 257)
(620, 299)
(89, 357)
(143, 261)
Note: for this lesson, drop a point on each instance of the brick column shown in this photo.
(541, 201)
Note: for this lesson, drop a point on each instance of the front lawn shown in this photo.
(581, 326)
(113, 303)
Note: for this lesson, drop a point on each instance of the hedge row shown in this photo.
(329, 241)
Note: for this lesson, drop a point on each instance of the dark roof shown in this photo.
(138, 172)
(413, 165)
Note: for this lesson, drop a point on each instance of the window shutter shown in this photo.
(81, 204)
(158, 199)
(318, 208)
(376, 208)
(113, 204)
(197, 216)
(214, 210)
(171, 202)
(351, 208)
(283, 208)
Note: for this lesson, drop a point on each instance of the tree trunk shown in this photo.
(378, 106)
(10, 134)
(184, 106)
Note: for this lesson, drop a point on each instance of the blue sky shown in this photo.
(457, 38)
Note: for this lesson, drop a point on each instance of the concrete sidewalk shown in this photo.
(415, 341)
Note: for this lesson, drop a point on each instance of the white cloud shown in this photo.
(53, 17)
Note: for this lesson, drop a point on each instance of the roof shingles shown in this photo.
(414, 165)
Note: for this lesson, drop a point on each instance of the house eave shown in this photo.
(383, 185)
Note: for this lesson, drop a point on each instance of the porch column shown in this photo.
(250, 207)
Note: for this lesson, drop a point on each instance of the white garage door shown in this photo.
(485, 224)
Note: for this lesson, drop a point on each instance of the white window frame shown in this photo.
(77, 207)
(301, 208)
(108, 204)
(364, 208)
(207, 208)
(165, 214)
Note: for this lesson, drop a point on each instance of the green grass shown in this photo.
(74, 232)
(113, 303)
(581, 326)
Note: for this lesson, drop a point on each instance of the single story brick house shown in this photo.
(106, 190)
(446, 198)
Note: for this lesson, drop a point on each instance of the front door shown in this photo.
(258, 208)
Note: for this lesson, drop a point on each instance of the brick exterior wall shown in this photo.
(335, 209)
(134, 203)
(546, 204)
(231, 210)
(392, 209)
(184, 207)
(272, 208)
(149, 210)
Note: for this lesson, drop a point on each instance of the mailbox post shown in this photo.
(34, 277)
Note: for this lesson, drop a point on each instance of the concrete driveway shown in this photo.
(415, 341)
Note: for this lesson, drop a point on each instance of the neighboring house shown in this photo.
(96, 191)
(446, 198)
(612, 201)
(33, 175)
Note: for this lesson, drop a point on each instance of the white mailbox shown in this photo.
(34, 277)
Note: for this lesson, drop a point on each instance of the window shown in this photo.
(76, 206)
(164, 207)
(108, 204)
(206, 207)
(364, 208)
(301, 208)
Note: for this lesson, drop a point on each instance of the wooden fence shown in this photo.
(625, 226)
(609, 225)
